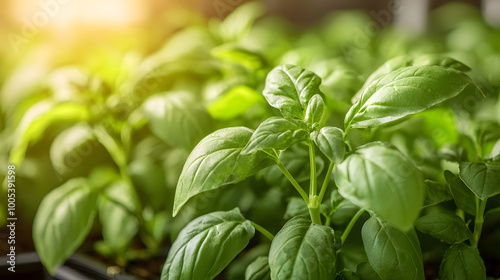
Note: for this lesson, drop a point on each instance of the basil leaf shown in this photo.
(405, 91)
(289, 89)
(177, 118)
(445, 226)
(275, 133)
(436, 193)
(315, 110)
(366, 271)
(302, 250)
(483, 179)
(463, 196)
(258, 270)
(217, 161)
(295, 207)
(330, 141)
(462, 262)
(207, 245)
(378, 172)
(235, 102)
(63, 220)
(393, 254)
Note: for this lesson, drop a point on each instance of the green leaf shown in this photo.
(462, 262)
(445, 226)
(463, 196)
(483, 179)
(207, 245)
(404, 92)
(289, 89)
(295, 207)
(258, 270)
(376, 173)
(177, 118)
(275, 133)
(393, 254)
(436, 193)
(366, 271)
(63, 220)
(330, 141)
(235, 54)
(315, 110)
(238, 23)
(302, 250)
(234, 103)
(217, 161)
(38, 118)
(119, 225)
(347, 275)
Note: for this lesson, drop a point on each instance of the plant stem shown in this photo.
(314, 210)
(313, 189)
(262, 230)
(325, 182)
(478, 222)
(293, 181)
(351, 225)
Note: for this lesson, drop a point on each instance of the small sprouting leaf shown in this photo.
(64, 218)
(258, 270)
(302, 250)
(378, 172)
(406, 91)
(463, 196)
(436, 193)
(330, 141)
(275, 133)
(217, 161)
(445, 226)
(483, 179)
(289, 89)
(393, 254)
(462, 262)
(315, 110)
(207, 245)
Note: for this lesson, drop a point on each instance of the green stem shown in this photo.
(293, 181)
(314, 210)
(262, 230)
(313, 189)
(350, 226)
(478, 222)
(325, 182)
(328, 220)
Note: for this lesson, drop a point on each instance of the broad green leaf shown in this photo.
(463, 196)
(217, 161)
(436, 193)
(38, 118)
(295, 207)
(330, 141)
(340, 81)
(63, 220)
(315, 110)
(207, 245)
(235, 54)
(379, 178)
(462, 262)
(238, 23)
(289, 89)
(234, 103)
(302, 250)
(177, 118)
(366, 271)
(69, 145)
(483, 179)
(445, 226)
(148, 178)
(393, 254)
(275, 133)
(404, 92)
(119, 225)
(258, 270)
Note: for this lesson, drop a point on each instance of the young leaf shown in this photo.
(404, 92)
(436, 193)
(258, 270)
(445, 226)
(207, 245)
(483, 179)
(289, 89)
(330, 141)
(217, 161)
(462, 262)
(376, 173)
(463, 196)
(275, 133)
(315, 110)
(393, 254)
(302, 250)
(64, 218)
